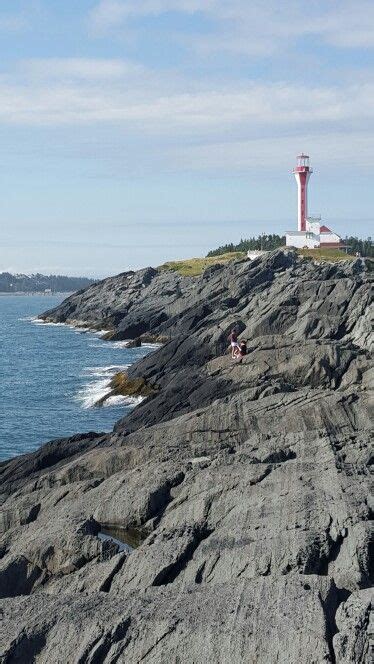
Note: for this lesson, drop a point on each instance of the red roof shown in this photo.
(324, 229)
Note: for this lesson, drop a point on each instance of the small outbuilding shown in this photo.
(329, 238)
(314, 236)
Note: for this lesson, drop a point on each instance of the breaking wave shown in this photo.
(39, 321)
(97, 386)
(120, 400)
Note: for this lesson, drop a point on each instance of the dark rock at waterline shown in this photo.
(122, 385)
(154, 338)
(251, 480)
(134, 343)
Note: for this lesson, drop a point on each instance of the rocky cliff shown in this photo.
(247, 483)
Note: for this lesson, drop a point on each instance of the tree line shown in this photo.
(268, 242)
(13, 283)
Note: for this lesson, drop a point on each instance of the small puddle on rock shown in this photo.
(126, 539)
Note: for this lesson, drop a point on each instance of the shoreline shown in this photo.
(38, 293)
(74, 391)
(107, 334)
(83, 326)
(118, 389)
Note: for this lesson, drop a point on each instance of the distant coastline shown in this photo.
(41, 284)
(39, 293)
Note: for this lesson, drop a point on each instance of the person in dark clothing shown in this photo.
(242, 349)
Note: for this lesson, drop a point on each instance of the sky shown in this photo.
(138, 131)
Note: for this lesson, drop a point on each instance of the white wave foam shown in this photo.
(153, 346)
(95, 390)
(102, 372)
(119, 400)
(92, 392)
(112, 344)
(76, 328)
(119, 344)
(38, 321)
(80, 330)
(123, 344)
(101, 333)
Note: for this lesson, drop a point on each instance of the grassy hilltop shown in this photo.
(192, 267)
(325, 254)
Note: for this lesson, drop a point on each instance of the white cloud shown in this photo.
(354, 150)
(82, 91)
(112, 13)
(173, 124)
(349, 25)
(252, 27)
(88, 69)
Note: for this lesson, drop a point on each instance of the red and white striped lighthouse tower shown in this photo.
(302, 173)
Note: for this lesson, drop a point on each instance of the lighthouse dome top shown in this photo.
(302, 163)
(302, 159)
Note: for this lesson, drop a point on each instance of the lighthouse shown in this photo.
(302, 173)
(310, 234)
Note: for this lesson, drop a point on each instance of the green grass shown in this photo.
(326, 254)
(192, 267)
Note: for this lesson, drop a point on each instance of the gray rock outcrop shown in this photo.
(249, 482)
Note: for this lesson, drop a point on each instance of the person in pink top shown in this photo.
(235, 348)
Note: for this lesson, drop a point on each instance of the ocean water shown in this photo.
(52, 375)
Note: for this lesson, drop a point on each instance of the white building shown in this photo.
(328, 238)
(302, 240)
(313, 237)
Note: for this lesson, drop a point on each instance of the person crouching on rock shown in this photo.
(235, 348)
(242, 349)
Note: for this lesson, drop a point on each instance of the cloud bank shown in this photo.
(212, 114)
(187, 115)
(251, 26)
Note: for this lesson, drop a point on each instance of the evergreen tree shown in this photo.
(264, 241)
(38, 283)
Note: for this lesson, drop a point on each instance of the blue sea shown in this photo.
(52, 375)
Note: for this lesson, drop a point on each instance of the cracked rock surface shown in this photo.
(249, 482)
